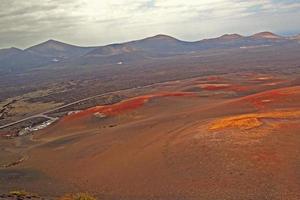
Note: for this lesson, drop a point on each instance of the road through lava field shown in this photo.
(123, 106)
(229, 139)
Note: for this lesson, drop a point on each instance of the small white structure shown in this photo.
(30, 129)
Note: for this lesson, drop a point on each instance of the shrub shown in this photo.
(78, 196)
(19, 193)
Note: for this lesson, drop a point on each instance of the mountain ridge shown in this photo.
(266, 34)
(157, 46)
(54, 48)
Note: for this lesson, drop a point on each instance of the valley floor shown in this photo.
(233, 136)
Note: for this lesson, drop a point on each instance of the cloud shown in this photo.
(87, 22)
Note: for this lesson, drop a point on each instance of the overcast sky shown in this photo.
(97, 22)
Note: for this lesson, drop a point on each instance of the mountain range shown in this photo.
(53, 52)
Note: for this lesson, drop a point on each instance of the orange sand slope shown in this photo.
(249, 121)
(200, 146)
(277, 95)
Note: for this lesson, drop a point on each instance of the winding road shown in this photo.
(44, 114)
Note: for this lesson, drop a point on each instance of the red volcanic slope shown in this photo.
(267, 35)
(130, 104)
(236, 88)
(259, 100)
(214, 87)
(215, 78)
(239, 88)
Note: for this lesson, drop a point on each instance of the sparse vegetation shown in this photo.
(19, 193)
(22, 194)
(78, 196)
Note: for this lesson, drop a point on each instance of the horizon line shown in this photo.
(148, 37)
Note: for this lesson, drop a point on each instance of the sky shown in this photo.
(24, 23)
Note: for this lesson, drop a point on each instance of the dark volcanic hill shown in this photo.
(53, 52)
(52, 48)
(114, 49)
(161, 44)
(238, 41)
(266, 35)
(46, 53)
(156, 45)
(153, 47)
(4, 53)
(22, 60)
(113, 54)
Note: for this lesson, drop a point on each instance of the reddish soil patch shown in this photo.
(2, 133)
(7, 134)
(227, 87)
(213, 87)
(215, 78)
(239, 88)
(260, 100)
(266, 157)
(126, 105)
(259, 77)
(274, 83)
